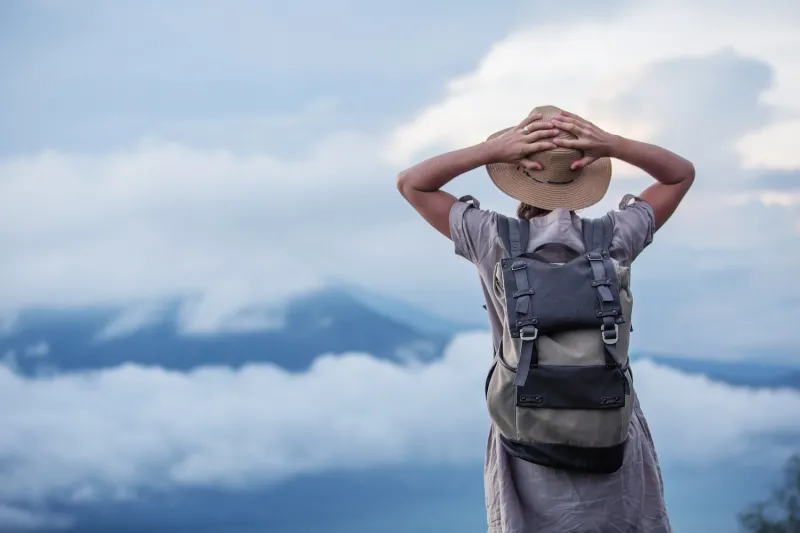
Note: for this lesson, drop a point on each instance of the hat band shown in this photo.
(546, 182)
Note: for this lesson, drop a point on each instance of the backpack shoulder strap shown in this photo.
(597, 233)
(514, 234)
(597, 236)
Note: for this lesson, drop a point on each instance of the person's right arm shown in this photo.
(674, 175)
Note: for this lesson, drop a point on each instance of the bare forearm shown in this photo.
(421, 184)
(673, 173)
(434, 173)
(664, 166)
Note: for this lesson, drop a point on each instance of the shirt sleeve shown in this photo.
(472, 229)
(634, 225)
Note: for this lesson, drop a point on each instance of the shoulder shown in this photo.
(634, 226)
(472, 229)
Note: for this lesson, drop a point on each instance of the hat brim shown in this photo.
(588, 186)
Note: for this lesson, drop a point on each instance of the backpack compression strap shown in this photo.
(518, 236)
(597, 236)
(515, 234)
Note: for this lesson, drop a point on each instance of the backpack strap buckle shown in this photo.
(528, 357)
(610, 336)
(529, 333)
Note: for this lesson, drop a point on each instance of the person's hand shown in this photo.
(518, 143)
(591, 140)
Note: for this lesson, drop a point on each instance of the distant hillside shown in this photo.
(409, 314)
(336, 320)
(328, 321)
(745, 374)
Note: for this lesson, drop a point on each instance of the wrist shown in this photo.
(617, 146)
(488, 152)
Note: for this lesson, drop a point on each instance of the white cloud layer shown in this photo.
(16, 519)
(130, 320)
(106, 434)
(586, 64)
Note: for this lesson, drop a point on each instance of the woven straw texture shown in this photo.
(556, 185)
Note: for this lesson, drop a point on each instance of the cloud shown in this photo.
(16, 519)
(227, 312)
(9, 360)
(779, 180)
(140, 427)
(8, 323)
(131, 320)
(772, 147)
(164, 220)
(38, 350)
(230, 232)
(733, 419)
(585, 64)
(133, 428)
(250, 75)
(767, 198)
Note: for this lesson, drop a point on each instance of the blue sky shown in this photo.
(239, 154)
(150, 151)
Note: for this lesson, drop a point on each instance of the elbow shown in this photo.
(680, 175)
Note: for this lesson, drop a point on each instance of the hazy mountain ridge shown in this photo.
(328, 321)
(335, 320)
(737, 373)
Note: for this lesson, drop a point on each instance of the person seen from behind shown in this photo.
(569, 448)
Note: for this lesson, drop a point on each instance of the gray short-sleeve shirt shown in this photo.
(523, 497)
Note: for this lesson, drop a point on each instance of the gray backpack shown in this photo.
(560, 390)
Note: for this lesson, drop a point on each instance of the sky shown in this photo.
(203, 151)
(235, 155)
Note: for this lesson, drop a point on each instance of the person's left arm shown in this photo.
(421, 184)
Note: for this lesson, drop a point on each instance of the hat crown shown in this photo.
(557, 162)
(556, 186)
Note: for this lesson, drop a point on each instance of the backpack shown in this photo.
(560, 390)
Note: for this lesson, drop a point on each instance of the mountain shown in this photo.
(408, 314)
(339, 319)
(327, 321)
(745, 374)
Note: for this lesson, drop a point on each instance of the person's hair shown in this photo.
(528, 211)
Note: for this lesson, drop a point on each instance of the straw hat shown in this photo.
(556, 185)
